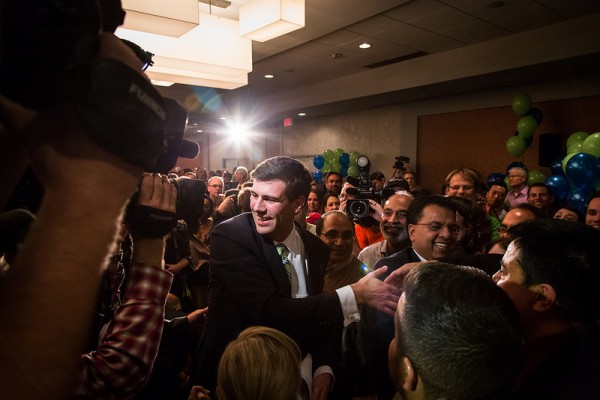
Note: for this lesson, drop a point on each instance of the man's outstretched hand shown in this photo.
(374, 293)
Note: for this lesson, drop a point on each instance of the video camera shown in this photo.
(49, 55)
(400, 164)
(359, 209)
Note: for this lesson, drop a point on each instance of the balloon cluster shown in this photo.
(337, 161)
(529, 119)
(576, 177)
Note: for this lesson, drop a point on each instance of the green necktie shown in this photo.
(285, 253)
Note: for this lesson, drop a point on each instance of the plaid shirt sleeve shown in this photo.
(122, 363)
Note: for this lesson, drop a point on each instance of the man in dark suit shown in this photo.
(433, 231)
(266, 271)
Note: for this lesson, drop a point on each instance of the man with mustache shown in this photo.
(393, 228)
(433, 232)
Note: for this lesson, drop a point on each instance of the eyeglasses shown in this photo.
(438, 226)
(215, 186)
(399, 214)
(333, 234)
(464, 187)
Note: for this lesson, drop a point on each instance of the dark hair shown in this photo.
(565, 256)
(243, 199)
(530, 207)
(288, 170)
(476, 222)
(377, 175)
(460, 331)
(504, 242)
(497, 183)
(329, 194)
(415, 211)
(327, 175)
(548, 189)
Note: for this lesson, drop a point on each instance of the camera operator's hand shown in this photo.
(376, 210)
(228, 206)
(156, 192)
(343, 206)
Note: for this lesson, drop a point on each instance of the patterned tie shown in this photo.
(284, 252)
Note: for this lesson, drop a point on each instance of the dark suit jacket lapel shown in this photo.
(314, 270)
(274, 262)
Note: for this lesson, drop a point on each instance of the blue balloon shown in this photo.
(345, 160)
(581, 170)
(560, 187)
(344, 170)
(318, 176)
(556, 167)
(494, 177)
(578, 198)
(537, 114)
(318, 162)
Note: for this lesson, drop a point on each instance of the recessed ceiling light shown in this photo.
(302, 114)
(223, 118)
(364, 45)
(269, 76)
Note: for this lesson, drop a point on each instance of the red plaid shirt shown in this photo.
(121, 364)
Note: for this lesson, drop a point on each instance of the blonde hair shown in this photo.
(261, 364)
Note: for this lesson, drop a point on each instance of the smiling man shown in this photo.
(265, 270)
(393, 227)
(433, 232)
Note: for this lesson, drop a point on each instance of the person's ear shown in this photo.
(411, 378)
(411, 232)
(545, 297)
(299, 203)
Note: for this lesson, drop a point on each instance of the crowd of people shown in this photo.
(265, 284)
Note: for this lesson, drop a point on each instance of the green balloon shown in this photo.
(328, 155)
(326, 168)
(507, 181)
(591, 145)
(354, 156)
(566, 160)
(335, 166)
(526, 126)
(338, 152)
(575, 147)
(515, 145)
(521, 104)
(577, 137)
(536, 176)
(353, 171)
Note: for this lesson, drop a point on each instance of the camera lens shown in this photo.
(358, 208)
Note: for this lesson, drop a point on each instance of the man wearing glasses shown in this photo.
(433, 232)
(337, 231)
(215, 189)
(462, 182)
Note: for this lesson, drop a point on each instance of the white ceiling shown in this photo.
(398, 30)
